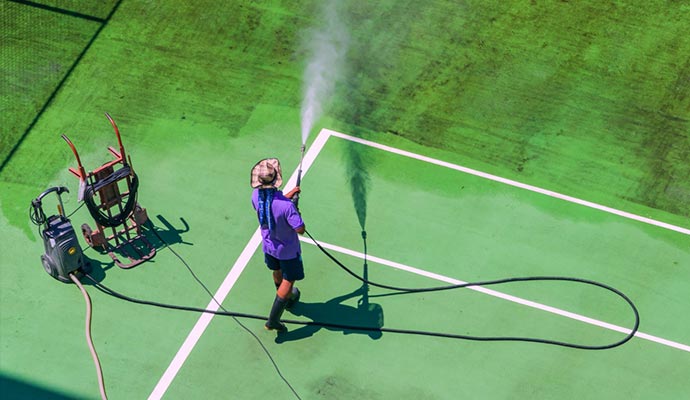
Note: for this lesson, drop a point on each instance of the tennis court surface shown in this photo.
(467, 228)
(472, 143)
(517, 232)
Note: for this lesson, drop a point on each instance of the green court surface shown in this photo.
(471, 141)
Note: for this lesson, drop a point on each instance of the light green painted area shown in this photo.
(482, 239)
(582, 98)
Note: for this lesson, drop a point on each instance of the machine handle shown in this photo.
(36, 203)
(58, 189)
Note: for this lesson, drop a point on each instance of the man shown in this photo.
(280, 225)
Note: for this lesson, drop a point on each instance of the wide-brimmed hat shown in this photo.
(267, 174)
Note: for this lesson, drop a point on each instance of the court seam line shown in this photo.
(498, 294)
(229, 281)
(53, 95)
(511, 182)
(59, 10)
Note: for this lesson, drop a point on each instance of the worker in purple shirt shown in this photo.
(280, 224)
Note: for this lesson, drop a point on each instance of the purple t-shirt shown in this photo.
(282, 242)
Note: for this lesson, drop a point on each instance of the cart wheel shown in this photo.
(86, 231)
(140, 215)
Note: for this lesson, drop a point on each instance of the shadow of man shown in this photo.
(365, 315)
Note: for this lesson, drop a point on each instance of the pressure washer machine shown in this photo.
(63, 255)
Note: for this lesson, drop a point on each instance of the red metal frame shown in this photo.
(128, 235)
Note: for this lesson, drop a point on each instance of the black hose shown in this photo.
(98, 215)
(152, 228)
(629, 336)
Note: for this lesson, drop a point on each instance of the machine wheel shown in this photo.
(48, 266)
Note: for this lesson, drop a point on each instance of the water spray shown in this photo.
(325, 46)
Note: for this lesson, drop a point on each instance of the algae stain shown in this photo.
(336, 387)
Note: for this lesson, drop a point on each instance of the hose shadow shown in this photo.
(365, 315)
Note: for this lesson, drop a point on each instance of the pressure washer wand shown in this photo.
(295, 198)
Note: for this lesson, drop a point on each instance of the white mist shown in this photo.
(326, 47)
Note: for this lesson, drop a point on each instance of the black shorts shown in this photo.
(293, 269)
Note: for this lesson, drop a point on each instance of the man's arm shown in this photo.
(292, 192)
(294, 217)
(300, 230)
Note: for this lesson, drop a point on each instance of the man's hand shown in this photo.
(292, 192)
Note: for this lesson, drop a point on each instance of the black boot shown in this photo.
(274, 317)
(293, 299)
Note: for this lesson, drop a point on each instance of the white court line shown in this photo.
(222, 292)
(205, 318)
(503, 296)
(309, 158)
(511, 182)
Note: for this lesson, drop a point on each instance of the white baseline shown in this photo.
(511, 182)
